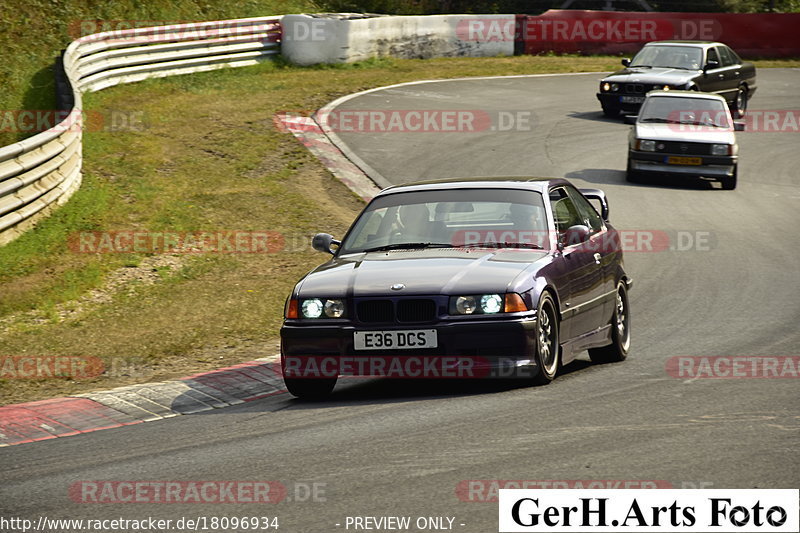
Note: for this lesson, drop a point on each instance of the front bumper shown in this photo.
(613, 101)
(656, 163)
(490, 348)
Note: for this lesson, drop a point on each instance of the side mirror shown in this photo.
(576, 235)
(630, 119)
(710, 65)
(600, 196)
(738, 126)
(626, 62)
(322, 242)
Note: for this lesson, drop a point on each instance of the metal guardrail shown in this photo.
(41, 172)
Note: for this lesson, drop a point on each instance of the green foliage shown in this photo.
(33, 33)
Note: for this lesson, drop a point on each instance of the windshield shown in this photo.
(684, 57)
(450, 218)
(691, 111)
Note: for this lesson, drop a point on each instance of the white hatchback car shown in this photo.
(683, 133)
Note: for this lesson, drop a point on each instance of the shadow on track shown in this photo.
(597, 116)
(364, 391)
(617, 177)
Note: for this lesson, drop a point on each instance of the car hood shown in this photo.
(431, 271)
(683, 133)
(656, 75)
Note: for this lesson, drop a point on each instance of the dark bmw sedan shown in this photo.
(503, 277)
(686, 65)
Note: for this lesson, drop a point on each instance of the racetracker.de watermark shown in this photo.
(422, 120)
(487, 490)
(140, 491)
(754, 120)
(15, 367)
(647, 241)
(402, 366)
(733, 367)
(186, 242)
(596, 29)
(156, 31)
(89, 121)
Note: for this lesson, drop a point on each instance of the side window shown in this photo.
(712, 56)
(565, 214)
(586, 210)
(725, 55)
(734, 56)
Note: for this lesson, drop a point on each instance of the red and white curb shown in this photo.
(312, 136)
(124, 406)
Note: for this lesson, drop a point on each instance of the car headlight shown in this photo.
(491, 303)
(666, 88)
(721, 149)
(487, 304)
(319, 308)
(605, 87)
(614, 87)
(334, 308)
(311, 308)
(466, 305)
(645, 145)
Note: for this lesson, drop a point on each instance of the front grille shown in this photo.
(681, 148)
(405, 310)
(418, 310)
(639, 88)
(375, 311)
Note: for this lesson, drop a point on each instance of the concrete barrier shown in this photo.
(344, 38)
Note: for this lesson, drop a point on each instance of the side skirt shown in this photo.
(593, 339)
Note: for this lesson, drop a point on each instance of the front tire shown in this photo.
(310, 388)
(548, 349)
(729, 183)
(620, 332)
(631, 176)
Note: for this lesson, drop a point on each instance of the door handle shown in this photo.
(722, 76)
(597, 258)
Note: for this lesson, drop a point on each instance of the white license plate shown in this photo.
(395, 340)
(631, 99)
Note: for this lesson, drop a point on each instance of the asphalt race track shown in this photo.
(401, 448)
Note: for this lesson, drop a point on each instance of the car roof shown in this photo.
(687, 94)
(699, 44)
(541, 185)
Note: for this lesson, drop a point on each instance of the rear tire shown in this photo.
(548, 349)
(620, 331)
(310, 388)
(729, 183)
(739, 106)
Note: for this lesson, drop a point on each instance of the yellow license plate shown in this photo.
(676, 160)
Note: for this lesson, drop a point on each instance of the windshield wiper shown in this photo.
(408, 246)
(640, 66)
(654, 119)
(688, 123)
(492, 244)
